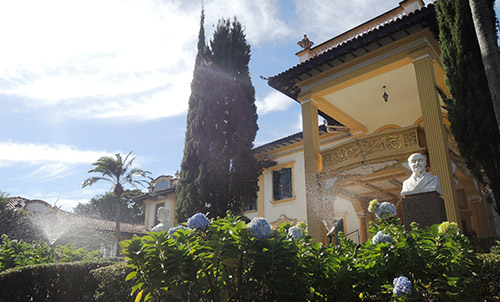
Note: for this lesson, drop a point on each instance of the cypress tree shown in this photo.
(219, 171)
(470, 108)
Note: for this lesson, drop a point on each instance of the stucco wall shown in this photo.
(343, 209)
(294, 208)
(167, 202)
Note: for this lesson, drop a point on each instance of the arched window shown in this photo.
(161, 185)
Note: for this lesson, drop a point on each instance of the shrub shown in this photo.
(50, 282)
(441, 267)
(226, 262)
(496, 248)
(486, 244)
(489, 276)
(112, 286)
(16, 253)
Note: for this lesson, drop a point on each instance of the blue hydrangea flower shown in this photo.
(401, 286)
(259, 228)
(381, 237)
(295, 232)
(198, 221)
(385, 210)
(172, 230)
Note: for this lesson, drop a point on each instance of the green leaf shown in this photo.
(138, 298)
(130, 276)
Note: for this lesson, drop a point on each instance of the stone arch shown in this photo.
(387, 127)
(356, 204)
(339, 205)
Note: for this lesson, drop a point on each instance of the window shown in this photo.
(250, 206)
(161, 185)
(282, 184)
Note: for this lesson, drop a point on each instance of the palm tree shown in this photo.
(118, 172)
(484, 24)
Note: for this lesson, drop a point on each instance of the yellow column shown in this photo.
(146, 216)
(363, 232)
(312, 164)
(172, 213)
(260, 197)
(437, 142)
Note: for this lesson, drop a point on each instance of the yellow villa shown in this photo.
(374, 86)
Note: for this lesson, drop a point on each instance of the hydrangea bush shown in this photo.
(173, 230)
(295, 232)
(382, 210)
(229, 260)
(448, 229)
(380, 237)
(198, 221)
(402, 286)
(259, 228)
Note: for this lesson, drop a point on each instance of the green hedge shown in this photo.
(50, 282)
(112, 286)
(105, 281)
(489, 276)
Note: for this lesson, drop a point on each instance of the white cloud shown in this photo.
(46, 162)
(68, 204)
(33, 153)
(70, 200)
(274, 101)
(163, 102)
(261, 19)
(298, 125)
(80, 55)
(50, 171)
(49, 163)
(324, 19)
(114, 58)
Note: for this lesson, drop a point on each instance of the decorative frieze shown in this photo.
(391, 143)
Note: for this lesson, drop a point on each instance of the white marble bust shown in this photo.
(163, 216)
(420, 180)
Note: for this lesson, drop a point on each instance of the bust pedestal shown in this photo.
(424, 208)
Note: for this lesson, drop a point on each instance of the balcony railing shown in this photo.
(372, 147)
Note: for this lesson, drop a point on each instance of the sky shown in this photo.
(81, 79)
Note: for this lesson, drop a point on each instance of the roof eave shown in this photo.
(285, 81)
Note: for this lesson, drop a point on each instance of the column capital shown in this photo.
(422, 57)
(306, 98)
(425, 52)
(361, 214)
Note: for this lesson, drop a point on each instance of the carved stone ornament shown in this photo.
(283, 218)
(371, 147)
(305, 43)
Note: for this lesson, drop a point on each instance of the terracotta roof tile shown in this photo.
(326, 54)
(80, 220)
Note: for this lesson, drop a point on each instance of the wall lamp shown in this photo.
(385, 95)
